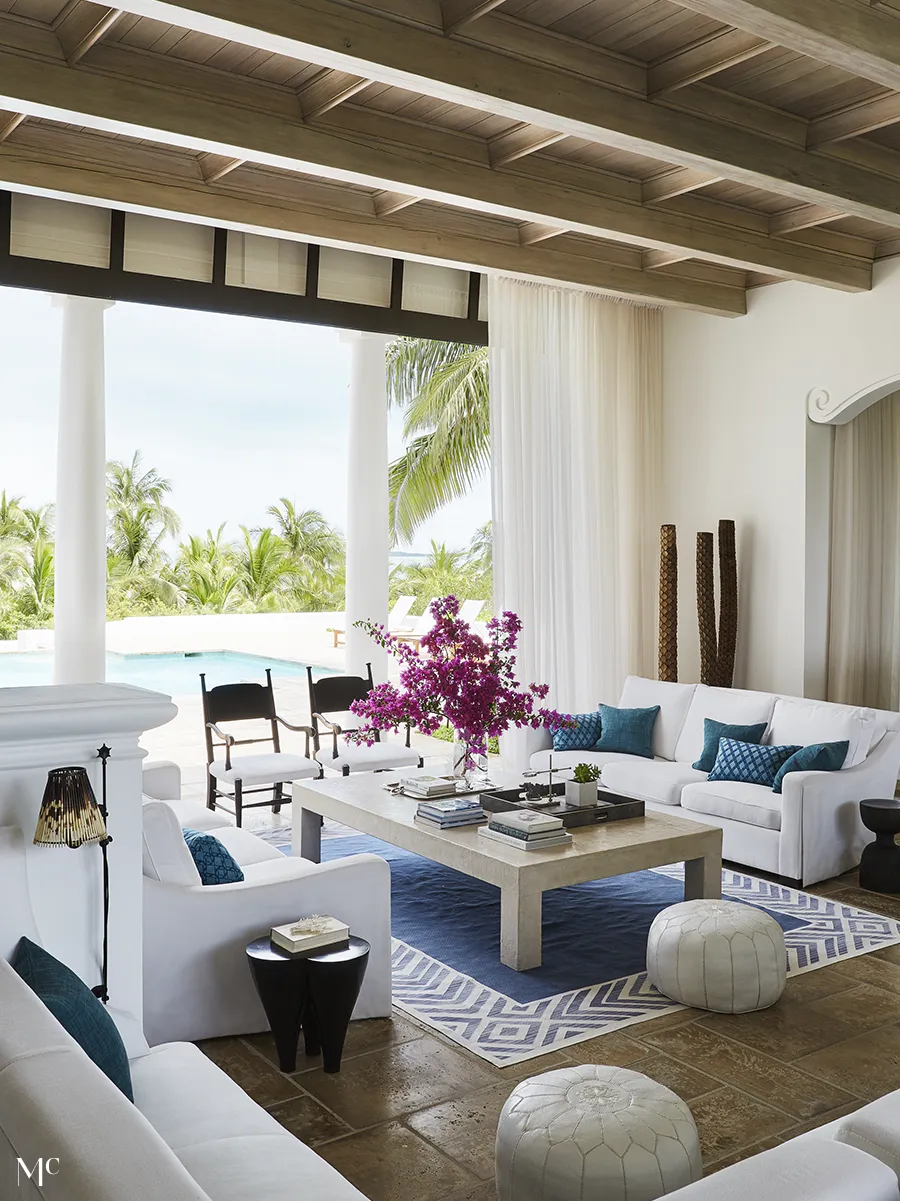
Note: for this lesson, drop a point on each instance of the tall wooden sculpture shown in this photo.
(706, 609)
(728, 605)
(668, 604)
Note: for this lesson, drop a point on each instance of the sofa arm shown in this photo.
(517, 747)
(161, 779)
(821, 831)
(197, 983)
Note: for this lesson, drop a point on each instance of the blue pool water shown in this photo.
(178, 675)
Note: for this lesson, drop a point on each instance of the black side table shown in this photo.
(315, 993)
(879, 868)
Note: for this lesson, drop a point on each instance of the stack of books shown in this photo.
(308, 935)
(447, 814)
(527, 830)
(429, 787)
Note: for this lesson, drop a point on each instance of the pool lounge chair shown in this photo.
(396, 619)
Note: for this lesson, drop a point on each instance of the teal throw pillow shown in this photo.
(821, 756)
(713, 731)
(76, 1009)
(748, 763)
(628, 731)
(581, 736)
(215, 864)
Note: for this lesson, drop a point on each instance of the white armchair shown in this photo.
(196, 980)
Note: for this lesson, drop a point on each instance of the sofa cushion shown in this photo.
(264, 769)
(674, 700)
(723, 704)
(195, 814)
(165, 853)
(628, 731)
(215, 864)
(580, 736)
(232, 1147)
(246, 848)
(658, 781)
(820, 756)
(76, 1009)
(875, 1129)
(805, 722)
(713, 733)
(752, 804)
(540, 760)
(748, 763)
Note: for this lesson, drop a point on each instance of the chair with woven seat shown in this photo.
(234, 777)
(330, 699)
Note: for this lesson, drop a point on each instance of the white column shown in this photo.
(368, 537)
(79, 611)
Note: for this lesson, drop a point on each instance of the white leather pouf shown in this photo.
(717, 955)
(594, 1132)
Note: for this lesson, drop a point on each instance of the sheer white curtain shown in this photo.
(575, 420)
(864, 637)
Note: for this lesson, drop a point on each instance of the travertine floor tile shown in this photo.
(880, 969)
(391, 1163)
(465, 1129)
(729, 1121)
(382, 1085)
(868, 1065)
(822, 982)
(308, 1120)
(786, 1031)
(616, 1049)
(863, 1007)
(261, 1080)
(683, 1080)
(369, 1035)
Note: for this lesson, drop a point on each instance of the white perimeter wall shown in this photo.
(738, 444)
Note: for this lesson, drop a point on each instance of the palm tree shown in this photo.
(38, 522)
(443, 572)
(481, 548)
(264, 568)
(36, 577)
(442, 388)
(206, 573)
(313, 544)
(139, 518)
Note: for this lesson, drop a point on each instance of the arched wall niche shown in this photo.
(826, 409)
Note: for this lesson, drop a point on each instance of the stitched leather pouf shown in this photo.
(594, 1132)
(717, 955)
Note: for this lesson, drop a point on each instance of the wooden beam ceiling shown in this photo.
(854, 121)
(81, 25)
(459, 13)
(142, 96)
(703, 59)
(327, 91)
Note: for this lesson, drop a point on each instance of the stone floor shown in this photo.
(412, 1116)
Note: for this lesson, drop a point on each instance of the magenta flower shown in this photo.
(459, 678)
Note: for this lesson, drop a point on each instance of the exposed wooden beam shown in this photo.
(675, 183)
(380, 47)
(807, 216)
(177, 105)
(533, 233)
(703, 59)
(386, 203)
(652, 260)
(214, 167)
(863, 41)
(327, 90)
(429, 237)
(458, 13)
(9, 123)
(81, 25)
(517, 143)
(854, 121)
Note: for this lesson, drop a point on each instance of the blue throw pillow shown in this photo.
(76, 1009)
(821, 756)
(215, 864)
(713, 731)
(748, 763)
(628, 731)
(581, 736)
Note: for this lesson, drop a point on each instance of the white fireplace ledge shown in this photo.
(61, 712)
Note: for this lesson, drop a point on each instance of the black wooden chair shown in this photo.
(232, 778)
(330, 698)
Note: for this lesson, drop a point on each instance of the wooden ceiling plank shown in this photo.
(386, 203)
(805, 217)
(533, 232)
(706, 58)
(675, 183)
(81, 25)
(327, 90)
(519, 142)
(214, 167)
(654, 259)
(854, 121)
(9, 123)
(459, 13)
(428, 241)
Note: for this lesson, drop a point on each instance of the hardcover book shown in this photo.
(309, 933)
(529, 821)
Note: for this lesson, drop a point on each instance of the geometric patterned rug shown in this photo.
(504, 1029)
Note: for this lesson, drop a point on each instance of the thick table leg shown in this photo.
(310, 836)
(282, 990)
(333, 989)
(520, 928)
(703, 878)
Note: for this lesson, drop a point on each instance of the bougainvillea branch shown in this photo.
(458, 677)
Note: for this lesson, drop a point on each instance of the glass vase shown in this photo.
(469, 768)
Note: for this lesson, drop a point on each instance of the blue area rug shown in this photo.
(447, 972)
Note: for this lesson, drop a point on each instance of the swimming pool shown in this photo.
(175, 674)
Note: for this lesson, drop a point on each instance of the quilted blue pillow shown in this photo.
(628, 731)
(821, 756)
(748, 763)
(76, 1009)
(215, 864)
(714, 731)
(581, 736)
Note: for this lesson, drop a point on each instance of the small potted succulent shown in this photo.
(581, 790)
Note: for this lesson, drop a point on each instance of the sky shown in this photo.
(235, 412)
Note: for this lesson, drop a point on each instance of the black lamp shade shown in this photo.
(70, 815)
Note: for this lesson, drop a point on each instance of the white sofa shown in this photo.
(191, 1135)
(196, 980)
(811, 830)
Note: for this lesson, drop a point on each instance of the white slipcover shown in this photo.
(253, 770)
(381, 756)
(729, 705)
(165, 853)
(802, 723)
(654, 780)
(875, 1129)
(752, 804)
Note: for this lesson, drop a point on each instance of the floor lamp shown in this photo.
(71, 817)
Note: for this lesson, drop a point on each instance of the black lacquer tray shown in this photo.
(610, 806)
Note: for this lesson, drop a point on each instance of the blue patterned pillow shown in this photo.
(714, 731)
(821, 756)
(628, 731)
(76, 1009)
(748, 763)
(215, 864)
(581, 736)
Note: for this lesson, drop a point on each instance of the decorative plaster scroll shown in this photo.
(826, 409)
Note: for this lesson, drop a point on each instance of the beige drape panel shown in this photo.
(864, 636)
(576, 404)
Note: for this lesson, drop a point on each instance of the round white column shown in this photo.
(79, 611)
(368, 536)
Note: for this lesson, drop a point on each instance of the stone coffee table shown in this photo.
(597, 852)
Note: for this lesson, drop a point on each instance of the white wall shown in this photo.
(738, 444)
